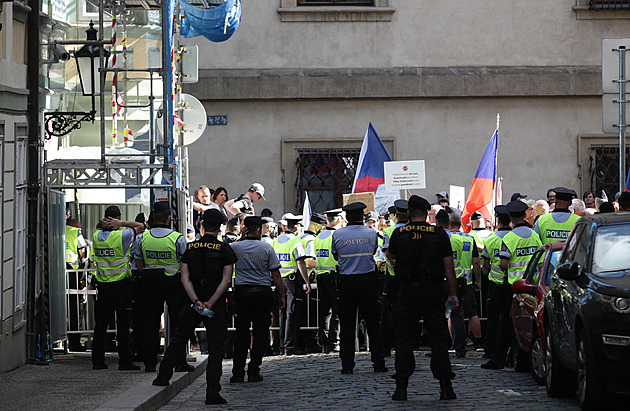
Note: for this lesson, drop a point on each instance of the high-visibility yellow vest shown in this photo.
(161, 253)
(72, 246)
(493, 247)
(325, 262)
(284, 251)
(551, 231)
(388, 231)
(465, 256)
(112, 261)
(521, 250)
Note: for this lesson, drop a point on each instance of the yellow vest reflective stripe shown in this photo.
(284, 251)
(72, 244)
(389, 231)
(551, 231)
(493, 248)
(323, 254)
(112, 261)
(466, 257)
(161, 253)
(521, 250)
(457, 244)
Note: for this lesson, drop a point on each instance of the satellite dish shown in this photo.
(194, 118)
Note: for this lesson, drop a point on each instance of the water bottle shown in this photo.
(449, 307)
(48, 352)
(39, 352)
(202, 310)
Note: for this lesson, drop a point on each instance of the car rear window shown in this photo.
(612, 249)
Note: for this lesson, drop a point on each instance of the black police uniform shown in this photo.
(206, 259)
(419, 249)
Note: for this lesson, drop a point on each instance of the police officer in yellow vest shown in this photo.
(158, 254)
(75, 253)
(517, 249)
(290, 251)
(492, 266)
(557, 225)
(326, 277)
(111, 247)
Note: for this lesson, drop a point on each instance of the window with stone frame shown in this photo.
(335, 2)
(20, 226)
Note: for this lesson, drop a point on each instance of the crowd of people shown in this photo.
(389, 271)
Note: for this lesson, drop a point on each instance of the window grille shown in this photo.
(326, 174)
(335, 3)
(604, 170)
(609, 4)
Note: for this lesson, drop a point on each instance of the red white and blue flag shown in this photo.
(628, 181)
(482, 188)
(370, 169)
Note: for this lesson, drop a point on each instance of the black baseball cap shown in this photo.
(517, 196)
(254, 221)
(161, 206)
(213, 217)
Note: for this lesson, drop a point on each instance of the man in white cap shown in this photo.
(245, 202)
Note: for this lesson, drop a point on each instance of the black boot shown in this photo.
(401, 389)
(446, 390)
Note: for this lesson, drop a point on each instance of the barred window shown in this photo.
(609, 4)
(335, 2)
(604, 170)
(326, 174)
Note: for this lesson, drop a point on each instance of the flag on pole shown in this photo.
(370, 169)
(628, 181)
(306, 212)
(482, 187)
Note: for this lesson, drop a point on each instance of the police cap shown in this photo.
(564, 194)
(418, 203)
(442, 216)
(292, 217)
(354, 207)
(401, 205)
(476, 216)
(267, 219)
(318, 219)
(254, 221)
(516, 208)
(161, 206)
(501, 210)
(391, 210)
(333, 213)
(213, 217)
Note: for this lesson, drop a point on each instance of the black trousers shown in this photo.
(493, 310)
(291, 316)
(328, 311)
(137, 313)
(415, 301)
(76, 308)
(458, 325)
(360, 292)
(253, 306)
(157, 290)
(114, 297)
(216, 328)
(506, 328)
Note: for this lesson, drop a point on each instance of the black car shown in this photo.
(587, 312)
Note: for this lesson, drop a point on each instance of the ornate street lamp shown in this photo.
(88, 60)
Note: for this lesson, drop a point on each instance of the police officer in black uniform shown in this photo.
(207, 268)
(421, 254)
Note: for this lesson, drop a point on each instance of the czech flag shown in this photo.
(370, 169)
(482, 187)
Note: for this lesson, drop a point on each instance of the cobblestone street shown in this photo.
(314, 382)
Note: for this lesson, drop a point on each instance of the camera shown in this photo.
(60, 52)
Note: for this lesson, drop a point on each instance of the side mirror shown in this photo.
(568, 271)
(523, 287)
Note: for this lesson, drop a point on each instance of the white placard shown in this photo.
(404, 175)
(457, 197)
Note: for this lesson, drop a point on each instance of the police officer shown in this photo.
(158, 255)
(492, 265)
(422, 255)
(256, 268)
(326, 277)
(390, 292)
(113, 272)
(290, 251)
(479, 230)
(354, 247)
(75, 254)
(206, 272)
(517, 249)
(557, 225)
(266, 230)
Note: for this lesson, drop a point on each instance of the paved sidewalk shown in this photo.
(70, 383)
(314, 382)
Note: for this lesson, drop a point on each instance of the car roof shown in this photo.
(606, 218)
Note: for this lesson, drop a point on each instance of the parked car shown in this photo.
(587, 312)
(528, 309)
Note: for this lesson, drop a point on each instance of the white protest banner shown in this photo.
(404, 175)
(457, 197)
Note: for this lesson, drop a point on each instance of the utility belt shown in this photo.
(158, 274)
